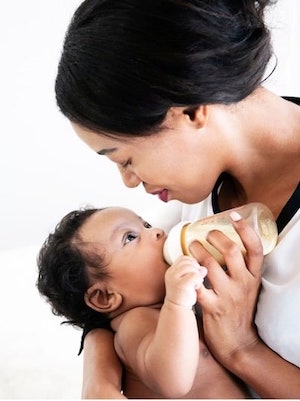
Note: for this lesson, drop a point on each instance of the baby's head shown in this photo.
(101, 260)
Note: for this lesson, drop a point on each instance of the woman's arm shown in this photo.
(269, 375)
(229, 308)
(102, 370)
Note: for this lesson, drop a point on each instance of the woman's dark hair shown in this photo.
(126, 62)
(62, 264)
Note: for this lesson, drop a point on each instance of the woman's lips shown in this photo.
(163, 195)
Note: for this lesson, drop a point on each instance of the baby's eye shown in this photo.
(129, 237)
(147, 225)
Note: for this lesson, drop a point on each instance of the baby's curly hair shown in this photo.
(62, 262)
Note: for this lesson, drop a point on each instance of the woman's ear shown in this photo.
(101, 300)
(197, 115)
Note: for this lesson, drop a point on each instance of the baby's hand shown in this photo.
(182, 280)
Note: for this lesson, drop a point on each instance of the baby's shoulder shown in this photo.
(138, 316)
(132, 328)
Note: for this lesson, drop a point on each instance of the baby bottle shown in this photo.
(183, 234)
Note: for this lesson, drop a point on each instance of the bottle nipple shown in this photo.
(173, 245)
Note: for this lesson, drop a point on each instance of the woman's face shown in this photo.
(177, 163)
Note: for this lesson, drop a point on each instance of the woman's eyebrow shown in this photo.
(106, 151)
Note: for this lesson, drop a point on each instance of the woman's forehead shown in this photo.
(101, 143)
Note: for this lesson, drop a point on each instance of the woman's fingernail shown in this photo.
(235, 216)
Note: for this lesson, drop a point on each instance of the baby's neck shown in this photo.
(117, 318)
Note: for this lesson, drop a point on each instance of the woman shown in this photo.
(171, 91)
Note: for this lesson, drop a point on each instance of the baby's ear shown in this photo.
(102, 300)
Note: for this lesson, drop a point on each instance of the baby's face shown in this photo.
(133, 254)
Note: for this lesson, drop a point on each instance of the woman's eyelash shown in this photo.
(147, 225)
(125, 164)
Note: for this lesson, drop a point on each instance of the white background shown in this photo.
(46, 172)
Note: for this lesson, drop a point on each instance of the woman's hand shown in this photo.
(229, 305)
(228, 309)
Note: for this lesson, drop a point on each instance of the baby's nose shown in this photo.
(158, 233)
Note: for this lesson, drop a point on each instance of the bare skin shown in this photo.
(244, 349)
(222, 134)
(257, 142)
(211, 381)
(149, 303)
(208, 381)
(109, 381)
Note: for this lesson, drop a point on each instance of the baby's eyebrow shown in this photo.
(106, 151)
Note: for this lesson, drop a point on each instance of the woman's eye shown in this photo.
(124, 165)
(147, 225)
(129, 237)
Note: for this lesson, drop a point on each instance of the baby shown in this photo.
(107, 264)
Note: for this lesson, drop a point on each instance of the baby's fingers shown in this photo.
(185, 265)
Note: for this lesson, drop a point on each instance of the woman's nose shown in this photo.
(130, 179)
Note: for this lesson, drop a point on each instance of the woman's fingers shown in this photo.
(254, 250)
(215, 273)
(238, 261)
(229, 304)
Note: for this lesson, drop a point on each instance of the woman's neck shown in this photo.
(266, 162)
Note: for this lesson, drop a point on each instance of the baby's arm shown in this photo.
(162, 346)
